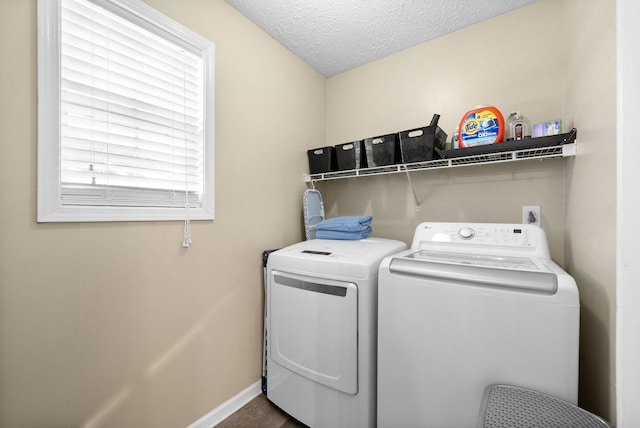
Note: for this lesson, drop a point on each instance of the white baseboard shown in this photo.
(229, 407)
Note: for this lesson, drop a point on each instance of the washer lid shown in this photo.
(482, 260)
(513, 273)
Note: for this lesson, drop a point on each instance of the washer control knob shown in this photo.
(466, 233)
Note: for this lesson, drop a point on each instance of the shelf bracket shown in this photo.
(569, 149)
(413, 191)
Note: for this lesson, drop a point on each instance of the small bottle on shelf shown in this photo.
(518, 127)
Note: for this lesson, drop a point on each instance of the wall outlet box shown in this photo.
(532, 214)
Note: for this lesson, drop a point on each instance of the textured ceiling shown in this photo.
(334, 36)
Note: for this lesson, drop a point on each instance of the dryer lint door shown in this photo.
(314, 329)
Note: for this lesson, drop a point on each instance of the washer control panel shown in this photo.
(498, 234)
(487, 235)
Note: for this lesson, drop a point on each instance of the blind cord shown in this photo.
(186, 238)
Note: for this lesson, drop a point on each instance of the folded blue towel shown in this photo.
(335, 234)
(346, 223)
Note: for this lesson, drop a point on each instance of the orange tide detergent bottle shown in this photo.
(480, 126)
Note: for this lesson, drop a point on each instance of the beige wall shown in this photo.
(114, 324)
(513, 62)
(590, 104)
(551, 60)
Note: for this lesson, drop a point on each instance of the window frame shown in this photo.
(49, 204)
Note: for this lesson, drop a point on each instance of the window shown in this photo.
(125, 114)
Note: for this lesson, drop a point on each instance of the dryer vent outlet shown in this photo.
(532, 214)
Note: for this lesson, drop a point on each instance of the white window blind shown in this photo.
(132, 114)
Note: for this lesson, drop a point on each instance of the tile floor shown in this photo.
(260, 413)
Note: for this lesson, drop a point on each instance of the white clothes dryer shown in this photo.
(470, 305)
(321, 330)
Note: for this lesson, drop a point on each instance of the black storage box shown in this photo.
(418, 145)
(322, 159)
(350, 156)
(382, 150)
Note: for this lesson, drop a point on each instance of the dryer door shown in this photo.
(314, 328)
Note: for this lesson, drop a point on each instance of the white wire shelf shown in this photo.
(560, 150)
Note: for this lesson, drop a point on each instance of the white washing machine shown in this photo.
(321, 330)
(467, 306)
